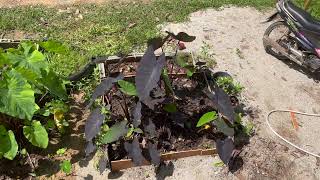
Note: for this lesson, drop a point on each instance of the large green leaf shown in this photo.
(34, 62)
(27, 60)
(36, 134)
(4, 141)
(17, 97)
(11, 154)
(3, 59)
(127, 87)
(54, 84)
(9, 145)
(53, 46)
(115, 132)
(206, 118)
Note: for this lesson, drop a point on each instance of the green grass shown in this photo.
(104, 29)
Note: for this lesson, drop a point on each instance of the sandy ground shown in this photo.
(269, 84)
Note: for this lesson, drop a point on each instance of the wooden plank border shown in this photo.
(127, 163)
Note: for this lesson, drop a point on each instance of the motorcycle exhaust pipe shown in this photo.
(268, 41)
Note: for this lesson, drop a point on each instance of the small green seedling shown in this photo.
(61, 151)
(218, 164)
(66, 166)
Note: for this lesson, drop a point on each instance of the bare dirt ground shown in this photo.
(235, 36)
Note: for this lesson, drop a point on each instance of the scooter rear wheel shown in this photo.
(276, 31)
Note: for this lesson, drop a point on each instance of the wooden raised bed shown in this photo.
(108, 64)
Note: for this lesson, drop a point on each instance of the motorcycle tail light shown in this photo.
(318, 52)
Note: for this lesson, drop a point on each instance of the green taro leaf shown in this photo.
(53, 46)
(17, 97)
(66, 166)
(8, 144)
(171, 107)
(32, 64)
(115, 132)
(206, 118)
(4, 141)
(11, 154)
(54, 84)
(36, 134)
(127, 87)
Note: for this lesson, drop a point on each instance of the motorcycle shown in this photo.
(296, 36)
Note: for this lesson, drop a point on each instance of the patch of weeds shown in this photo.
(87, 85)
(239, 53)
(206, 55)
(229, 86)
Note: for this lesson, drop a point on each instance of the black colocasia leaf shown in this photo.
(182, 36)
(222, 101)
(223, 127)
(225, 149)
(90, 148)
(134, 151)
(148, 73)
(156, 43)
(137, 115)
(154, 153)
(104, 87)
(102, 164)
(150, 129)
(93, 124)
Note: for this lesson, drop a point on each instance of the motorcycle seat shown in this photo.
(303, 17)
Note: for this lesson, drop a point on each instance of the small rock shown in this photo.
(77, 12)
(157, 19)
(80, 16)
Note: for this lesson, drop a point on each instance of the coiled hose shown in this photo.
(285, 140)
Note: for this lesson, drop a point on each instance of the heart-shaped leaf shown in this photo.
(36, 134)
(93, 124)
(9, 145)
(156, 43)
(90, 148)
(206, 118)
(11, 154)
(54, 84)
(182, 36)
(222, 102)
(127, 87)
(115, 132)
(134, 151)
(17, 97)
(225, 149)
(53, 46)
(148, 73)
(154, 153)
(104, 87)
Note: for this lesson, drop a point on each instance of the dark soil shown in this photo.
(175, 131)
